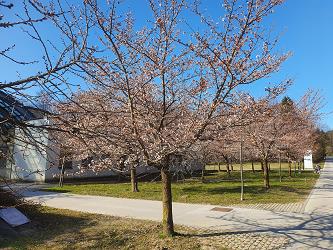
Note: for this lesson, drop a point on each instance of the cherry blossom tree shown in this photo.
(95, 126)
(169, 83)
(304, 117)
(285, 127)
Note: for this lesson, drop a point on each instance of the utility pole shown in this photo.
(241, 167)
(280, 166)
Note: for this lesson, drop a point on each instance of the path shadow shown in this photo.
(253, 189)
(314, 232)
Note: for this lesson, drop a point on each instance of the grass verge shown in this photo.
(64, 229)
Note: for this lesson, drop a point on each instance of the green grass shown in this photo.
(248, 166)
(63, 229)
(218, 189)
(257, 166)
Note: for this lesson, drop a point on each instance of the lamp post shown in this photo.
(241, 167)
(281, 149)
(280, 166)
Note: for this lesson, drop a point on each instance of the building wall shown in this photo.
(31, 152)
(36, 158)
(6, 161)
(77, 172)
(52, 164)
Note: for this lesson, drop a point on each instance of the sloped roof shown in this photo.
(12, 110)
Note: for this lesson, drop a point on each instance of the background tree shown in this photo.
(320, 145)
(96, 128)
(284, 126)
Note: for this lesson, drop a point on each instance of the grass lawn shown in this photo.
(63, 229)
(248, 166)
(257, 166)
(218, 189)
(55, 229)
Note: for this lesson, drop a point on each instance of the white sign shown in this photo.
(308, 161)
(13, 216)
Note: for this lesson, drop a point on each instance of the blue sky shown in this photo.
(306, 28)
(307, 31)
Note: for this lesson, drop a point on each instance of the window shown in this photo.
(68, 165)
(86, 162)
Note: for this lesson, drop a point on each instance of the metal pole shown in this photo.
(241, 167)
(280, 166)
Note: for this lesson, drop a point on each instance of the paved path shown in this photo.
(296, 207)
(321, 198)
(310, 230)
(319, 206)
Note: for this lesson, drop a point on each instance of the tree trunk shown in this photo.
(289, 164)
(228, 168)
(61, 180)
(203, 174)
(266, 174)
(262, 166)
(280, 168)
(252, 166)
(167, 220)
(219, 167)
(134, 180)
(232, 166)
(62, 173)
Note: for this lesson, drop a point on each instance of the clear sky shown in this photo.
(309, 35)
(306, 28)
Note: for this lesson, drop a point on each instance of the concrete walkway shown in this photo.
(310, 230)
(321, 198)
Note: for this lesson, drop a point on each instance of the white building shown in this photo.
(28, 152)
(308, 164)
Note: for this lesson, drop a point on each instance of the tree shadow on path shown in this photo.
(313, 232)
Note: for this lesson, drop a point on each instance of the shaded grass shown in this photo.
(248, 166)
(257, 166)
(65, 229)
(218, 189)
